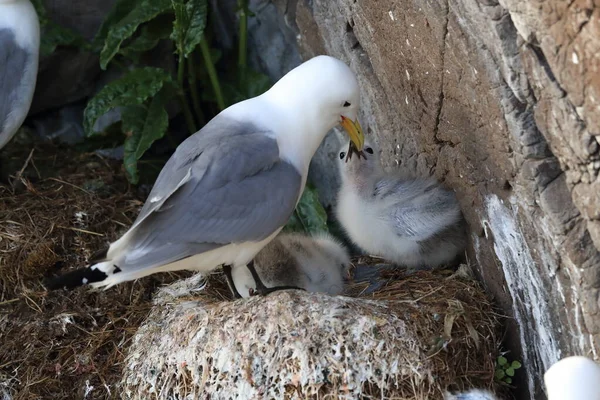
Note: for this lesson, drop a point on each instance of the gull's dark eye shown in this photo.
(346, 104)
(369, 150)
(342, 155)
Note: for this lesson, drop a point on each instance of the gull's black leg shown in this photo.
(261, 289)
(227, 271)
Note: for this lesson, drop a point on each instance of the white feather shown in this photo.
(475, 394)
(20, 17)
(573, 378)
(232, 254)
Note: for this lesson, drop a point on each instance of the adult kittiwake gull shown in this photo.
(573, 378)
(229, 189)
(19, 53)
(316, 263)
(410, 221)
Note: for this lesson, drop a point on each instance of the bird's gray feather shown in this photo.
(13, 62)
(418, 205)
(225, 184)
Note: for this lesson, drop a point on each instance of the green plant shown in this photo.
(505, 371)
(135, 27)
(55, 35)
(142, 93)
(309, 215)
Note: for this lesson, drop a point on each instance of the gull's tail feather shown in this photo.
(83, 276)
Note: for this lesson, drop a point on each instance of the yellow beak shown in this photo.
(355, 132)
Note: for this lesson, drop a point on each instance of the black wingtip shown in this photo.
(75, 279)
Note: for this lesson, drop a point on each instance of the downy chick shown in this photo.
(474, 394)
(316, 264)
(409, 221)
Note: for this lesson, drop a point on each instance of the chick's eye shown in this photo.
(342, 155)
(369, 150)
(346, 104)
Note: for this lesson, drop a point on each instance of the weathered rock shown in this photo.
(499, 100)
(70, 74)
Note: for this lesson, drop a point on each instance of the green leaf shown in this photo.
(133, 88)
(54, 35)
(310, 212)
(510, 372)
(150, 34)
(144, 11)
(294, 224)
(143, 125)
(110, 137)
(40, 11)
(257, 83)
(515, 365)
(499, 374)
(116, 14)
(508, 380)
(190, 21)
(502, 360)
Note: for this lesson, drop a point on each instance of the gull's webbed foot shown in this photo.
(265, 290)
(261, 289)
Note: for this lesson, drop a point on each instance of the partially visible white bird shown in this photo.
(19, 54)
(230, 188)
(316, 264)
(573, 378)
(409, 221)
(475, 394)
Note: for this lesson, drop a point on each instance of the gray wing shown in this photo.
(13, 62)
(215, 190)
(417, 207)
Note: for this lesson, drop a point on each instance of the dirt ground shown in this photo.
(58, 207)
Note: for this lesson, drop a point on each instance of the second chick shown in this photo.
(316, 264)
(409, 221)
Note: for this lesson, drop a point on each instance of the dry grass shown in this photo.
(62, 208)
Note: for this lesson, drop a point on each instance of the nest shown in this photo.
(414, 338)
(59, 208)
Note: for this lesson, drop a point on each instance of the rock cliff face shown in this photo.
(499, 100)
(68, 74)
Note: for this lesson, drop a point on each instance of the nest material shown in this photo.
(61, 207)
(414, 338)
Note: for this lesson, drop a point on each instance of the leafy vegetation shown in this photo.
(505, 371)
(309, 216)
(54, 34)
(136, 27)
(204, 82)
